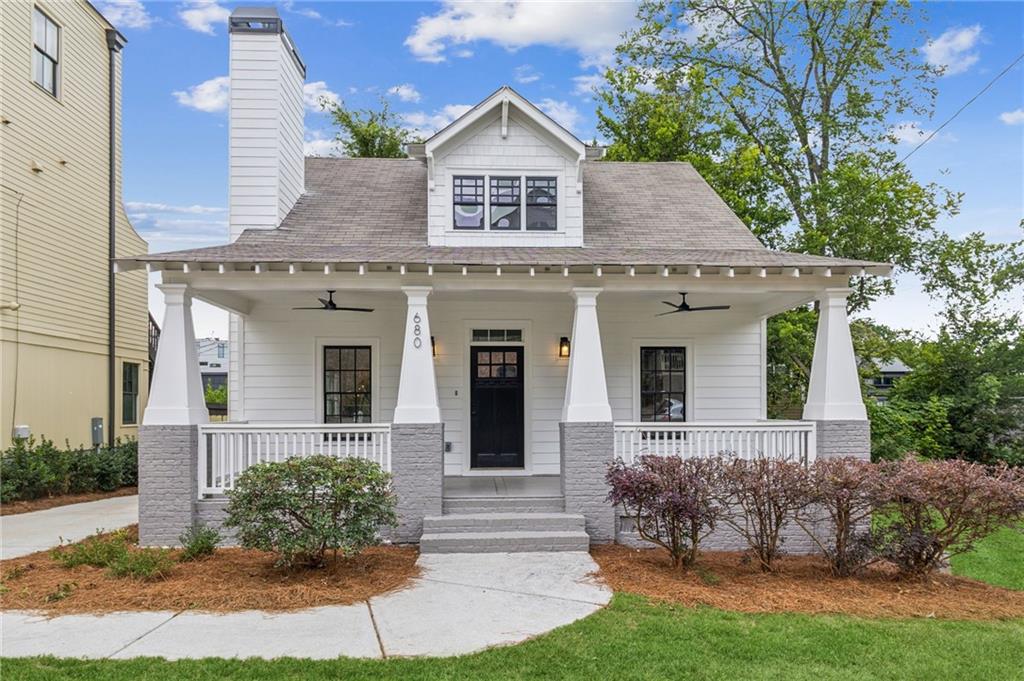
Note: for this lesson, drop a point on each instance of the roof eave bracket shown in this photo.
(430, 171)
(504, 118)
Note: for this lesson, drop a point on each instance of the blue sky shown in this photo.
(433, 60)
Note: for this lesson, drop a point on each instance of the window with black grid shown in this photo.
(468, 199)
(129, 393)
(347, 387)
(541, 203)
(46, 51)
(663, 384)
(506, 203)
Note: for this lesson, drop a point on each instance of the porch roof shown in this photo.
(365, 210)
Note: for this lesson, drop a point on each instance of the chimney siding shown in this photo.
(266, 129)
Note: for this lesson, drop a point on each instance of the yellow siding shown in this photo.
(53, 246)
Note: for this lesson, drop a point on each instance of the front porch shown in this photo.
(504, 393)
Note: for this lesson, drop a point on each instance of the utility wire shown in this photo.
(961, 109)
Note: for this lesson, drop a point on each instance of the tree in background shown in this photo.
(787, 109)
(368, 132)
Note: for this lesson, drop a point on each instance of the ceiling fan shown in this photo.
(685, 307)
(329, 305)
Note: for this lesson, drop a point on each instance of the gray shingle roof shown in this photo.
(375, 210)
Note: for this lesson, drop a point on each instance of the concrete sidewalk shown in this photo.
(460, 604)
(25, 533)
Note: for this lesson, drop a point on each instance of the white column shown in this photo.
(417, 385)
(176, 394)
(586, 390)
(834, 390)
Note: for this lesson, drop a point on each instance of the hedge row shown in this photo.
(31, 469)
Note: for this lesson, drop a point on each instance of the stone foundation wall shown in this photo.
(844, 438)
(587, 449)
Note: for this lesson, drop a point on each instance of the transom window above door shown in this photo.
(503, 206)
(347, 384)
(663, 384)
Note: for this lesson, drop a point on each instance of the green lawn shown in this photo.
(999, 560)
(634, 639)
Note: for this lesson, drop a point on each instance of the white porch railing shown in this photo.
(227, 449)
(793, 440)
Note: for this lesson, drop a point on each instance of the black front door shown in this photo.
(496, 405)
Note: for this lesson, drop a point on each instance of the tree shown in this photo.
(815, 89)
(368, 132)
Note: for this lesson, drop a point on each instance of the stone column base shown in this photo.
(168, 485)
(838, 439)
(417, 468)
(587, 449)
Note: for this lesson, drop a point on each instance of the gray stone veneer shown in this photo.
(417, 466)
(844, 438)
(168, 467)
(587, 449)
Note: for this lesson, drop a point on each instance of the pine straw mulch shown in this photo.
(43, 503)
(230, 580)
(801, 584)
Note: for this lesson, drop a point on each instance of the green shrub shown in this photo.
(304, 507)
(198, 541)
(31, 469)
(115, 553)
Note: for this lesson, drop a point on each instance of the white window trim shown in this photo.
(318, 370)
(467, 401)
(662, 343)
(522, 174)
(59, 62)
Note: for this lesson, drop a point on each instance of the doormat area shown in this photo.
(802, 584)
(43, 503)
(230, 580)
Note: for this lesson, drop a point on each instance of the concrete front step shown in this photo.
(502, 505)
(504, 542)
(503, 522)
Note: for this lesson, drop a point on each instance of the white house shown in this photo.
(519, 321)
(212, 354)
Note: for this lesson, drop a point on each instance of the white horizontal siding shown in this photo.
(280, 360)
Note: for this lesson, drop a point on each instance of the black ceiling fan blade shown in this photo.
(670, 304)
(710, 307)
(679, 309)
(321, 307)
(352, 309)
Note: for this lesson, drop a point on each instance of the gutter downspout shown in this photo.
(115, 41)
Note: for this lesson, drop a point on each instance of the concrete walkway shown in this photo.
(25, 533)
(460, 604)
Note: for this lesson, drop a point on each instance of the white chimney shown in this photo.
(266, 120)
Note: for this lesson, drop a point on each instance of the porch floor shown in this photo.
(463, 487)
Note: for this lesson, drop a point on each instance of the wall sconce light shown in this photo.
(433, 347)
(563, 346)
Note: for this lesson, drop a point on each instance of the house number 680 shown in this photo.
(417, 342)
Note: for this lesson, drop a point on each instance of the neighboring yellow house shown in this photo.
(60, 133)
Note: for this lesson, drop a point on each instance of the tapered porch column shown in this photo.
(586, 431)
(169, 437)
(417, 433)
(834, 393)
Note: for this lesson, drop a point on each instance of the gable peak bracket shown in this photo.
(504, 118)
(579, 173)
(430, 171)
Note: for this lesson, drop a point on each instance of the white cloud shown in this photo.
(911, 133)
(564, 113)
(585, 85)
(1015, 117)
(525, 74)
(313, 93)
(590, 28)
(406, 92)
(203, 15)
(426, 124)
(309, 13)
(318, 143)
(139, 207)
(210, 95)
(125, 13)
(463, 53)
(953, 50)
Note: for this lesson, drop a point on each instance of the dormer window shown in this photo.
(541, 203)
(469, 202)
(506, 202)
(506, 207)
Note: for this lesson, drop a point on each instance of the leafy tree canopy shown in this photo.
(368, 132)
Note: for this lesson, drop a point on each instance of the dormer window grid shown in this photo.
(506, 204)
